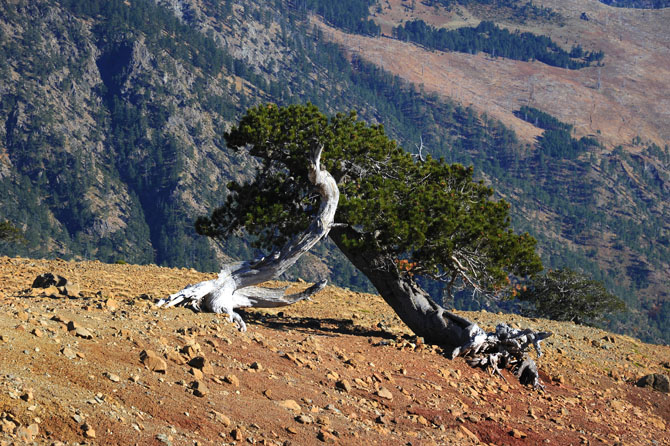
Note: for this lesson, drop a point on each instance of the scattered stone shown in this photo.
(77, 330)
(199, 388)
(237, 434)
(468, 433)
(37, 332)
(153, 362)
(221, 418)
(657, 381)
(384, 393)
(27, 396)
(290, 405)
(323, 420)
(165, 439)
(68, 353)
(304, 419)
(516, 433)
(256, 366)
(201, 363)
(343, 385)
(7, 426)
(176, 357)
(27, 434)
(89, 432)
(70, 289)
(112, 377)
(326, 437)
(232, 379)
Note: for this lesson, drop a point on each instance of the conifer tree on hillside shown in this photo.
(397, 219)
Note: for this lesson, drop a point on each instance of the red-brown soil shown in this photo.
(277, 383)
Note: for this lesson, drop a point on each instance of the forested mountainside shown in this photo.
(112, 117)
(642, 4)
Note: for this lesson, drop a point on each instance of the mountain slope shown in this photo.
(314, 370)
(112, 116)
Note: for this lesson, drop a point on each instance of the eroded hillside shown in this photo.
(337, 370)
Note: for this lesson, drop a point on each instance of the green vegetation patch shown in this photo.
(351, 15)
(639, 4)
(489, 38)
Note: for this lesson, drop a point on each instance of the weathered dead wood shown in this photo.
(235, 286)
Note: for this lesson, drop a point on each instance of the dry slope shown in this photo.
(340, 369)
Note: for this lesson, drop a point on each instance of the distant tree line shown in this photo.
(489, 38)
(521, 9)
(351, 15)
(640, 4)
(556, 141)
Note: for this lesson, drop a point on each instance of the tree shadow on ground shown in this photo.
(328, 326)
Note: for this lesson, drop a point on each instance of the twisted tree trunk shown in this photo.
(504, 348)
(235, 286)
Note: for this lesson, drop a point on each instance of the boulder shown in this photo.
(49, 279)
(657, 381)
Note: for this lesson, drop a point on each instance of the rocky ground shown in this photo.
(103, 366)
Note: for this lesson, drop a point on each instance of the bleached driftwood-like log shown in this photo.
(505, 348)
(235, 286)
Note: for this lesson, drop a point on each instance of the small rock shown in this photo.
(176, 357)
(221, 418)
(468, 433)
(516, 433)
(304, 419)
(165, 439)
(111, 304)
(70, 289)
(291, 405)
(343, 385)
(199, 388)
(256, 366)
(112, 377)
(89, 432)
(153, 362)
(326, 437)
(323, 420)
(37, 332)
(203, 364)
(197, 373)
(27, 396)
(384, 393)
(68, 353)
(237, 434)
(232, 379)
(27, 433)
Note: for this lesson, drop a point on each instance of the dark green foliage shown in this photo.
(157, 24)
(520, 10)
(541, 119)
(556, 141)
(9, 232)
(428, 216)
(351, 15)
(641, 4)
(566, 295)
(491, 39)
